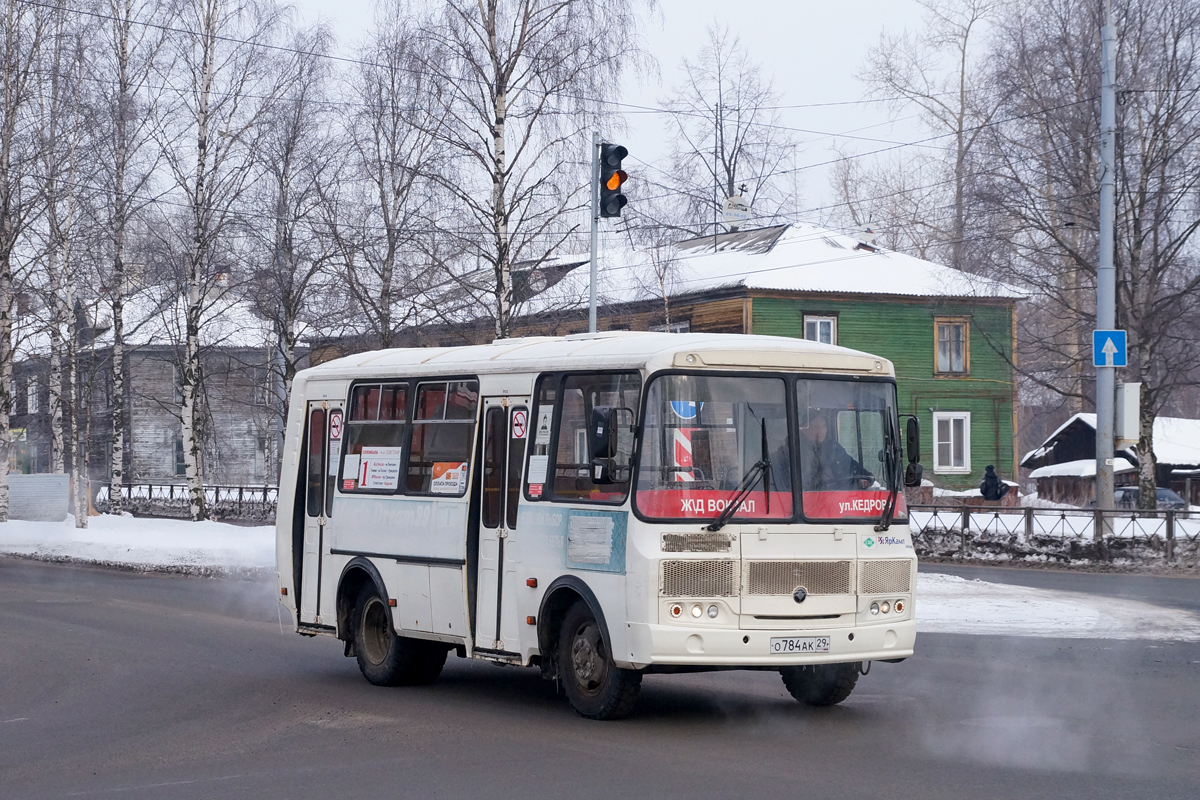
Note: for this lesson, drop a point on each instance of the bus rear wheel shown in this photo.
(820, 684)
(595, 686)
(386, 659)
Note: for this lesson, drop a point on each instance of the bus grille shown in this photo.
(884, 577)
(696, 542)
(697, 578)
(783, 577)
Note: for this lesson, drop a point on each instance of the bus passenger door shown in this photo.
(505, 431)
(323, 430)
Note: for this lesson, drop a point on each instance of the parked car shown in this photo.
(1127, 497)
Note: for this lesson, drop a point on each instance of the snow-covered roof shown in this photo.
(1085, 468)
(798, 258)
(156, 316)
(1176, 440)
(789, 258)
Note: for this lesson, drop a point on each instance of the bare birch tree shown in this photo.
(24, 30)
(726, 133)
(298, 156)
(64, 179)
(378, 217)
(231, 82)
(130, 59)
(940, 72)
(522, 80)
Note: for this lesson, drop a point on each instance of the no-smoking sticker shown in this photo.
(335, 425)
(520, 423)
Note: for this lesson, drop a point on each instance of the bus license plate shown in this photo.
(788, 645)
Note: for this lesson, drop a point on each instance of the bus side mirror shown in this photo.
(912, 444)
(604, 442)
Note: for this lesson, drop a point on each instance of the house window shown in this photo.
(31, 396)
(952, 442)
(953, 343)
(180, 465)
(679, 326)
(262, 386)
(820, 329)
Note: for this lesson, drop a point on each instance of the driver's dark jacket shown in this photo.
(827, 465)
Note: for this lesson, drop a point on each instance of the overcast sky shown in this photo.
(812, 49)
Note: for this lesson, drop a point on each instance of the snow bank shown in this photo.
(950, 604)
(154, 544)
(1079, 469)
(944, 603)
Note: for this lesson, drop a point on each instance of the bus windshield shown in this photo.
(843, 431)
(703, 436)
(706, 437)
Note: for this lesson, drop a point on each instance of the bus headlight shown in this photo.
(886, 607)
(697, 611)
(874, 608)
(899, 606)
(713, 611)
(676, 610)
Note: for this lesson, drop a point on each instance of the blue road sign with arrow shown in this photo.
(1108, 349)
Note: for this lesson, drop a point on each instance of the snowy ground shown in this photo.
(944, 603)
(160, 544)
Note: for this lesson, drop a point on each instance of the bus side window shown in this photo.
(493, 466)
(443, 430)
(316, 462)
(581, 395)
(516, 458)
(375, 432)
(542, 425)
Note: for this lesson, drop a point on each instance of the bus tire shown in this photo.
(820, 684)
(384, 658)
(595, 686)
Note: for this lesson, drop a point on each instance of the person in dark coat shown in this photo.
(825, 465)
(991, 487)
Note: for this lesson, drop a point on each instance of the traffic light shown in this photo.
(612, 177)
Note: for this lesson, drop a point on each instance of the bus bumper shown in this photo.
(666, 644)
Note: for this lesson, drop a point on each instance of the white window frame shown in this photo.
(943, 469)
(31, 396)
(818, 319)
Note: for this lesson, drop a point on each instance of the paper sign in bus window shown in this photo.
(379, 468)
(545, 420)
(449, 477)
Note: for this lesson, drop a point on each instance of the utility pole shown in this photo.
(594, 184)
(1106, 293)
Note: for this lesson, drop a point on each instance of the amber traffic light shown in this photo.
(612, 178)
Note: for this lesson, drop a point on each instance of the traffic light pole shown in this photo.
(1106, 300)
(594, 185)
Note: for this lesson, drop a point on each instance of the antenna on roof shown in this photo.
(866, 235)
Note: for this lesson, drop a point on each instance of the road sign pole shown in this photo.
(594, 183)
(1106, 304)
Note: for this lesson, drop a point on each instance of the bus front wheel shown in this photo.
(595, 686)
(384, 658)
(820, 684)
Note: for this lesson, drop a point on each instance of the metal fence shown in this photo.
(173, 500)
(1066, 533)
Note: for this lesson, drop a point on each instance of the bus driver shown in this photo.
(825, 464)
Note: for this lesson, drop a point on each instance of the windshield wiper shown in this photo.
(891, 455)
(760, 470)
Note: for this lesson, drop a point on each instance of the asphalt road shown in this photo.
(117, 685)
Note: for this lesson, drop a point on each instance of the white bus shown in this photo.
(602, 506)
